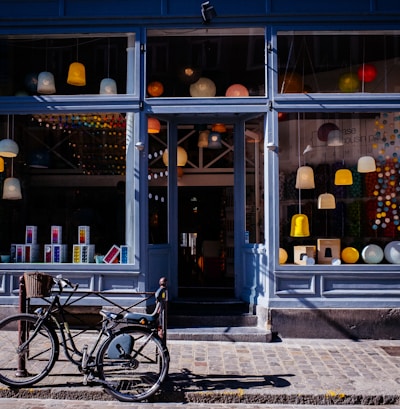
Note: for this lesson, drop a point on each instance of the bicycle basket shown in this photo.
(38, 285)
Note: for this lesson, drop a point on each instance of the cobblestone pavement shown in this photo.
(293, 371)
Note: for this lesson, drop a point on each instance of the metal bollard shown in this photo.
(22, 335)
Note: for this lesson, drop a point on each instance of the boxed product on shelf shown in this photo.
(112, 254)
(56, 235)
(84, 235)
(25, 253)
(31, 235)
(302, 253)
(83, 253)
(55, 253)
(124, 254)
(328, 250)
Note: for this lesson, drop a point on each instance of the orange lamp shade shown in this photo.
(155, 89)
(221, 128)
(76, 74)
(343, 177)
(1, 164)
(153, 125)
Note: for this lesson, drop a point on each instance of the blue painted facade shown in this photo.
(259, 279)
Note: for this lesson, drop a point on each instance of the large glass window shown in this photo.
(63, 65)
(339, 187)
(205, 63)
(338, 62)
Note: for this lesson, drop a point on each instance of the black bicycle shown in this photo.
(129, 356)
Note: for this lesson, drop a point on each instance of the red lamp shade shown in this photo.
(367, 72)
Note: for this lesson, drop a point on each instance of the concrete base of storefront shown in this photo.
(381, 323)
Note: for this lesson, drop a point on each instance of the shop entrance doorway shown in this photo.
(205, 225)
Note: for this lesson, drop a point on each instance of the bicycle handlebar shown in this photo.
(64, 282)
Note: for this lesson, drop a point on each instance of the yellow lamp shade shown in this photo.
(12, 189)
(366, 164)
(203, 87)
(305, 178)
(237, 90)
(181, 157)
(300, 226)
(76, 74)
(326, 201)
(46, 84)
(343, 177)
(350, 255)
(283, 256)
(153, 125)
(1, 164)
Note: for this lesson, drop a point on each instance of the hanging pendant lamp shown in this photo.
(46, 84)
(366, 164)
(300, 226)
(1, 164)
(343, 177)
(214, 140)
(305, 178)
(76, 74)
(153, 125)
(108, 86)
(326, 201)
(335, 138)
(203, 139)
(12, 189)
(8, 148)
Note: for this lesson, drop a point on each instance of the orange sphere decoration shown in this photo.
(237, 90)
(155, 89)
(349, 82)
(367, 72)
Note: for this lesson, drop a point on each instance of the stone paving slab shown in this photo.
(293, 371)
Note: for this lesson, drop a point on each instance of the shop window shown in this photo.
(43, 65)
(338, 62)
(71, 169)
(205, 63)
(339, 188)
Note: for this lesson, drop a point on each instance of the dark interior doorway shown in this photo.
(205, 261)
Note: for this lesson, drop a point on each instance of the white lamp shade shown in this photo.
(326, 201)
(203, 87)
(335, 138)
(12, 189)
(366, 164)
(203, 139)
(8, 148)
(46, 84)
(305, 178)
(108, 86)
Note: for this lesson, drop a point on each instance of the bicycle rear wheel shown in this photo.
(27, 353)
(133, 368)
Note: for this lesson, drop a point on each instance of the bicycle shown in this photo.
(128, 358)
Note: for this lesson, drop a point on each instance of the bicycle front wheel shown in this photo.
(133, 363)
(27, 352)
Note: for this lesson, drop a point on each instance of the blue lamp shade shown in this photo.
(214, 140)
(108, 86)
(46, 84)
(8, 148)
(12, 189)
(39, 159)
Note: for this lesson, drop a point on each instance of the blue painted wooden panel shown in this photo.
(29, 9)
(320, 7)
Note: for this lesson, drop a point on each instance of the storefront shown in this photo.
(272, 112)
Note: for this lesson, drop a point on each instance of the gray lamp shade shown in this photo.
(8, 148)
(12, 189)
(108, 86)
(365, 164)
(46, 84)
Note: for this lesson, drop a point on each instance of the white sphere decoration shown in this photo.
(392, 252)
(203, 87)
(372, 254)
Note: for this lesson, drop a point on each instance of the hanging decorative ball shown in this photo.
(350, 255)
(204, 87)
(372, 254)
(155, 88)
(367, 72)
(392, 252)
(290, 83)
(283, 256)
(237, 90)
(282, 116)
(325, 129)
(349, 82)
(189, 74)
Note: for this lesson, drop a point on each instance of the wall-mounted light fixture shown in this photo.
(207, 12)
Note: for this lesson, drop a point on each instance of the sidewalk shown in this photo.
(292, 371)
